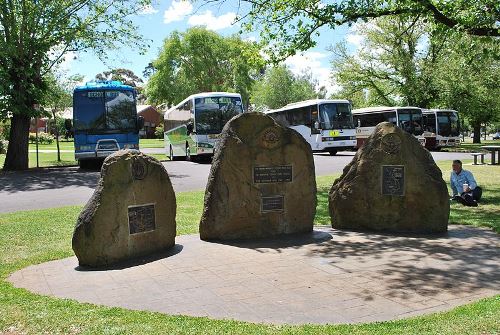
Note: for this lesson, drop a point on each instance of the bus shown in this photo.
(326, 125)
(105, 120)
(442, 128)
(193, 126)
(410, 119)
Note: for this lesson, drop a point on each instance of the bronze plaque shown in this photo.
(141, 218)
(393, 180)
(272, 174)
(275, 203)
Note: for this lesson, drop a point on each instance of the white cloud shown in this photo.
(147, 10)
(213, 22)
(177, 11)
(311, 61)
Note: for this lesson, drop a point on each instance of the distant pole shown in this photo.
(36, 132)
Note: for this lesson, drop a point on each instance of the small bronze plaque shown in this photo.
(141, 218)
(275, 203)
(272, 174)
(393, 180)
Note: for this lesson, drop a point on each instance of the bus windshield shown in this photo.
(448, 124)
(105, 110)
(335, 116)
(212, 113)
(411, 121)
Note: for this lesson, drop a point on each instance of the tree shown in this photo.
(468, 81)
(394, 65)
(279, 87)
(200, 60)
(291, 25)
(34, 36)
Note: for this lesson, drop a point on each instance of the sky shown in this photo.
(158, 21)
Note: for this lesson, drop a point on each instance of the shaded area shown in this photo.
(136, 261)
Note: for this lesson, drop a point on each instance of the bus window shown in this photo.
(89, 113)
(411, 121)
(371, 119)
(120, 110)
(335, 116)
(212, 113)
(430, 122)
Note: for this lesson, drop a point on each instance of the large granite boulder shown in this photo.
(392, 184)
(262, 182)
(130, 214)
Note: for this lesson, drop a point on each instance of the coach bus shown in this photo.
(192, 127)
(442, 128)
(105, 120)
(326, 125)
(409, 119)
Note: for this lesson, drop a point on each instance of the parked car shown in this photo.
(496, 136)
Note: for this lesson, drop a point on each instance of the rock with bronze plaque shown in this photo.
(130, 214)
(262, 182)
(392, 184)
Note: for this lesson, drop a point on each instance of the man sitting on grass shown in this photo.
(464, 186)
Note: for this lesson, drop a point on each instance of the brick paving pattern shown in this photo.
(329, 276)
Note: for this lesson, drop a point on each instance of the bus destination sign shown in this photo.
(272, 174)
(141, 218)
(393, 180)
(272, 204)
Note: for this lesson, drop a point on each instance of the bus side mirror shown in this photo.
(190, 128)
(140, 122)
(316, 125)
(68, 124)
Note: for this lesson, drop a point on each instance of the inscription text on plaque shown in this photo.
(393, 180)
(141, 218)
(272, 174)
(275, 203)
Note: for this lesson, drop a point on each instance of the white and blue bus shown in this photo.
(105, 120)
(327, 125)
(193, 126)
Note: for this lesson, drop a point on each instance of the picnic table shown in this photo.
(493, 149)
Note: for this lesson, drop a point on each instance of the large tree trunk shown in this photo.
(17, 152)
(477, 133)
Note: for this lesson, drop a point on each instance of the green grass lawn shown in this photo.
(468, 146)
(32, 237)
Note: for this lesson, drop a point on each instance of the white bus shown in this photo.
(194, 125)
(442, 128)
(325, 124)
(407, 118)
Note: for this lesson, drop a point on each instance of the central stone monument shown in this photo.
(392, 184)
(262, 182)
(130, 214)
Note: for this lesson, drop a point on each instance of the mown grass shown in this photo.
(32, 237)
(468, 146)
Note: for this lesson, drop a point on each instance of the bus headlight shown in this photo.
(352, 137)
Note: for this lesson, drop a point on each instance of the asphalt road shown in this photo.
(58, 187)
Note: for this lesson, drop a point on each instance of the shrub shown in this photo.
(159, 131)
(43, 138)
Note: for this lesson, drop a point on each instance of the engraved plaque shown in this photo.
(393, 180)
(141, 218)
(272, 174)
(275, 203)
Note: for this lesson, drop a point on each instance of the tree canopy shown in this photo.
(279, 87)
(293, 25)
(200, 60)
(35, 35)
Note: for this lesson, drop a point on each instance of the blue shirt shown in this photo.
(457, 181)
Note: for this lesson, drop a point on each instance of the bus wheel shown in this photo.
(332, 152)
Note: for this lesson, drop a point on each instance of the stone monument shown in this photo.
(262, 182)
(130, 214)
(392, 184)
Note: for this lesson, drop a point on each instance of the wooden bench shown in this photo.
(476, 154)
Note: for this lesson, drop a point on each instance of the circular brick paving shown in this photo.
(329, 276)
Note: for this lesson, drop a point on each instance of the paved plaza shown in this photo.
(328, 276)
